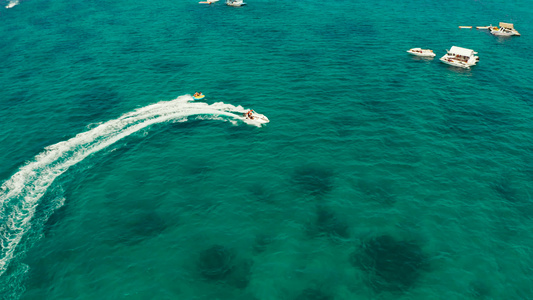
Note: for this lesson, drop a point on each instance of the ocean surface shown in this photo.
(380, 175)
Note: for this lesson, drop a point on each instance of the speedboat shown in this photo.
(12, 4)
(255, 118)
(235, 2)
(460, 57)
(506, 29)
(421, 52)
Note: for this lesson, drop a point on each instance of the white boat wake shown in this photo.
(20, 194)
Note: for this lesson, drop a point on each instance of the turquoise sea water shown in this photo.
(380, 176)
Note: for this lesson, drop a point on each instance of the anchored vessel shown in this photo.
(235, 2)
(460, 57)
(421, 52)
(506, 29)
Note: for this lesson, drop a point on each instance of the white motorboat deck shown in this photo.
(460, 57)
(235, 2)
(421, 52)
(506, 29)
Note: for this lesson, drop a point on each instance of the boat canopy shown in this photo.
(506, 25)
(461, 51)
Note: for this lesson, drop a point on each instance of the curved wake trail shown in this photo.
(20, 194)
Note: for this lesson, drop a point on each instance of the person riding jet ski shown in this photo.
(249, 114)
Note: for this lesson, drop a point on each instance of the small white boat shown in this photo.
(506, 29)
(253, 117)
(460, 57)
(421, 52)
(12, 3)
(235, 2)
(483, 27)
(465, 27)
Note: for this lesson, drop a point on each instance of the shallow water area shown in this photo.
(380, 175)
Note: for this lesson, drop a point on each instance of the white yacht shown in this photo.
(460, 57)
(421, 52)
(506, 29)
(235, 2)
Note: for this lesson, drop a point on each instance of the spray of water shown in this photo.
(20, 194)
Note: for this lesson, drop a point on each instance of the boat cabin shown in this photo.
(460, 57)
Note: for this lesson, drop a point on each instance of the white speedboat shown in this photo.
(255, 117)
(12, 3)
(421, 52)
(506, 29)
(460, 57)
(235, 2)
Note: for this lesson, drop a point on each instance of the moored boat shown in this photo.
(235, 2)
(460, 57)
(505, 29)
(421, 52)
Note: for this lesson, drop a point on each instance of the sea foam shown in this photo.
(20, 194)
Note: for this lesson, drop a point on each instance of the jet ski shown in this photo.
(255, 117)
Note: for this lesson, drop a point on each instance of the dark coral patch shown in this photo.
(391, 265)
(329, 224)
(216, 262)
(261, 243)
(240, 277)
(221, 264)
(378, 191)
(506, 190)
(94, 102)
(315, 180)
(142, 227)
(55, 219)
(168, 66)
(313, 294)
(262, 193)
(479, 289)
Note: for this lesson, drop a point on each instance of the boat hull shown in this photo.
(499, 32)
(430, 54)
(235, 3)
(455, 63)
